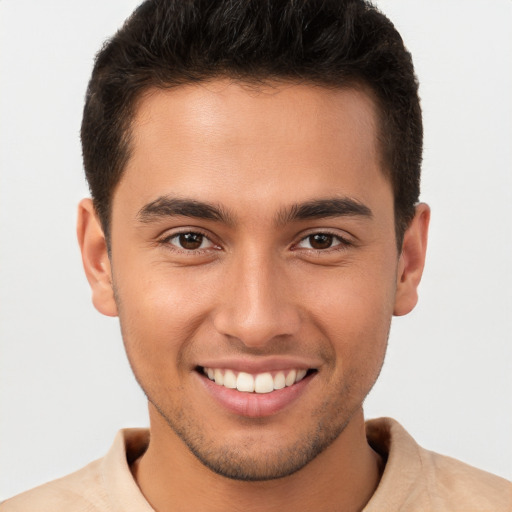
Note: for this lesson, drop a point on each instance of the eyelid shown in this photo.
(167, 236)
(344, 240)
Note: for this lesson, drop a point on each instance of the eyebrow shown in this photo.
(166, 206)
(324, 208)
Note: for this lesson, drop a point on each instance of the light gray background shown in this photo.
(64, 381)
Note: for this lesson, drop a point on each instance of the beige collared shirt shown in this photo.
(414, 479)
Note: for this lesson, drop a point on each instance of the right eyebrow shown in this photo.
(166, 206)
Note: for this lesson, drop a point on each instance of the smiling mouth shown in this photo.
(265, 382)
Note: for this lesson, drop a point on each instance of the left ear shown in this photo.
(412, 261)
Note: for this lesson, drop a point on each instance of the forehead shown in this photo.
(228, 137)
(242, 114)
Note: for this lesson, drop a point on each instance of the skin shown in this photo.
(259, 287)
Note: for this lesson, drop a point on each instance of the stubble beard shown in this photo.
(248, 461)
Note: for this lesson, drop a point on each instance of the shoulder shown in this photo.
(103, 485)
(418, 479)
(79, 491)
(463, 487)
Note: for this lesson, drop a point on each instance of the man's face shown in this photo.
(253, 232)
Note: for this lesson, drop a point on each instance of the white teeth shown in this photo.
(245, 382)
(260, 383)
(229, 379)
(279, 381)
(219, 377)
(290, 378)
(300, 375)
(263, 383)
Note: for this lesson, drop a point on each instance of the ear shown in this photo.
(95, 258)
(412, 261)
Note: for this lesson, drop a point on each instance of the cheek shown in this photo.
(160, 312)
(353, 308)
(359, 297)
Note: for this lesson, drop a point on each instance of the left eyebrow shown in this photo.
(324, 208)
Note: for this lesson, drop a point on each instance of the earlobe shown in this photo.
(412, 261)
(95, 258)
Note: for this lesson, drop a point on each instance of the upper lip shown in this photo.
(260, 365)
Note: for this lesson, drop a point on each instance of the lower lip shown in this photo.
(255, 405)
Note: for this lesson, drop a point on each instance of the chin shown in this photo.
(257, 456)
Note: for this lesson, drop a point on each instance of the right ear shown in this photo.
(95, 258)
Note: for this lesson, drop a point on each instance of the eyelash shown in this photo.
(342, 244)
(166, 241)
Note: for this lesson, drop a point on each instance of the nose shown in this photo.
(257, 304)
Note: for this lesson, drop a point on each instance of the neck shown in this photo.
(342, 477)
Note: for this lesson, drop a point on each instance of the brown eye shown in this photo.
(320, 241)
(190, 241)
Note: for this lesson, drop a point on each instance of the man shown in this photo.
(254, 169)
